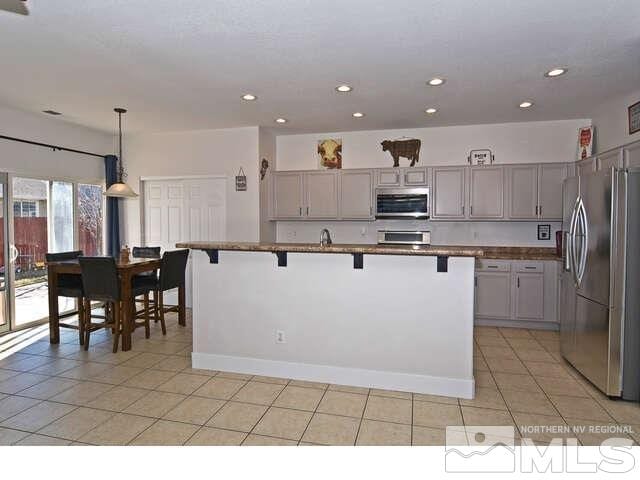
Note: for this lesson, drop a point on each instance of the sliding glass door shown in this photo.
(4, 244)
(40, 216)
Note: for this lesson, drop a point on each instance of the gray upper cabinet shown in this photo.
(632, 155)
(522, 192)
(550, 190)
(287, 195)
(416, 176)
(321, 194)
(613, 158)
(356, 196)
(486, 192)
(448, 193)
(588, 165)
(391, 177)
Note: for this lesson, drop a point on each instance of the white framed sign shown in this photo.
(480, 157)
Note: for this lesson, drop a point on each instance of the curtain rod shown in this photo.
(54, 147)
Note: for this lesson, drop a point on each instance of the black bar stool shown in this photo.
(147, 252)
(172, 275)
(70, 285)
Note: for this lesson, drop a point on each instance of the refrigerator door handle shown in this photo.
(582, 218)
(572, 243)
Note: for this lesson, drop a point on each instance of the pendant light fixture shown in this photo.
(120, 189)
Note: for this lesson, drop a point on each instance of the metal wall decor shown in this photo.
(241, 181)
(481, 157)
(264, 166)
(408, 148)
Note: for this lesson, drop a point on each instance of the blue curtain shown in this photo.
(113, 214)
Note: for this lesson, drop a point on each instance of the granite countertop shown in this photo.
(510, 253)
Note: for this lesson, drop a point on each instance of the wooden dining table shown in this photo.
(126, 271)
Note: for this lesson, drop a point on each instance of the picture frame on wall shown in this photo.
(634, 118)
(544, 232)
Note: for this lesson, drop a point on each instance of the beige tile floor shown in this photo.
(61, 395)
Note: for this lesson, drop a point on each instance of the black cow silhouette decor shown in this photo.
(409, 148)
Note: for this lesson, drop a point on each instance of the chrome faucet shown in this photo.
(325, 237)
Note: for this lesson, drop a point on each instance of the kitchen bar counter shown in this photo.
(507, 253)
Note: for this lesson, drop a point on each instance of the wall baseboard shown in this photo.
(451, 387)
(500, 322)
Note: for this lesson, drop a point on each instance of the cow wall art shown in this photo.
(409, 149)
(330, 153)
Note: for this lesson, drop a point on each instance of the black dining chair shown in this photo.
(100, 282)
(147, 252)
(70, 285)
(172, 275)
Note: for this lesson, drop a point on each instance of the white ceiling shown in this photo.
(179, 65)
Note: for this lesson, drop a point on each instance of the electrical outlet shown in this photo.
(280, 338)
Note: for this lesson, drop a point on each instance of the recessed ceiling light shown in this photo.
(556, 72)
(344, 88)
(51, 112)
(281, 120)
(249, 97)
(526, 104)
(358, 114)
(436, 81)
(431, 110)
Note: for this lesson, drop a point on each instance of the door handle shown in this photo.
(307, 211)
(300, 211)
(582, 218)
(13, 253)
(540, 210)
(536, 210)
(518, 282)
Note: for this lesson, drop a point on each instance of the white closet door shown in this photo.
(183, 210)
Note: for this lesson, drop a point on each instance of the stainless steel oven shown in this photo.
(404, 237)
(409, 203)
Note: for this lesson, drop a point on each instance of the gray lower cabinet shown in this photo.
(522, 192)
(321, 195)
(486, 192)
(529, 296)
(512, 291)
(356, 195)
(448, 193)
(287, 195)
(493, 295)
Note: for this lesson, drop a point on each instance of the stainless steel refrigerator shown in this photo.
(599, 307)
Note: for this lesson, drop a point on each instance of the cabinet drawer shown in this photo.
(529, 267)
(486, 265)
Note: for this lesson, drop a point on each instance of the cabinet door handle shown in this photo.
(536, 210)
(540, 211)
(397, 178)
(307, 211)
(518, 282)
(475, 281)
(300, 211)
(492, 266)
(530, 268)
(463, 210)
(471, 210)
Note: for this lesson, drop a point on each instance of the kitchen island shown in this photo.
(391, 317)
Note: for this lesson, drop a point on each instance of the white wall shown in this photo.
(24, 159)
(611, 122)
(197, 152)
(531, 142)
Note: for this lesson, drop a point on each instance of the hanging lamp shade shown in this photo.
(120, 189)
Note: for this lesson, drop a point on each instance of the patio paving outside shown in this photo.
(32, 303)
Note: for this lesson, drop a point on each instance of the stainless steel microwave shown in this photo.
(409, 203)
